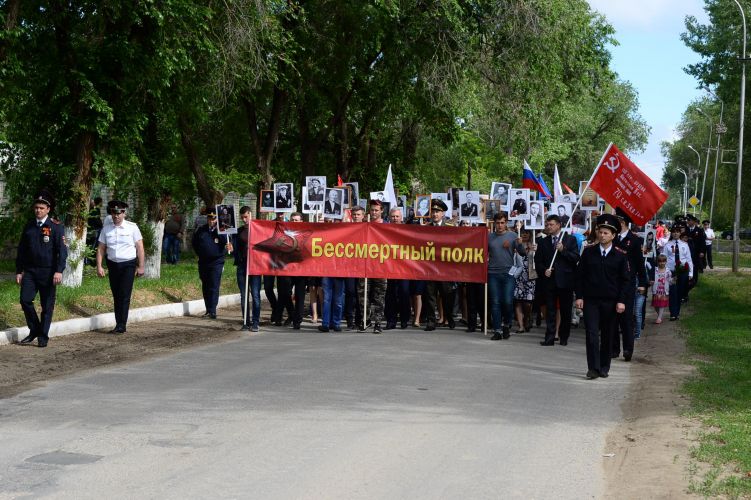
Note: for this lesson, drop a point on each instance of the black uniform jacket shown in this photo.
(564, 267)
(601, 277)
(42, 247)
(632, 244)
(208, 244)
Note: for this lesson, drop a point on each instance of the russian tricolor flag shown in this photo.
(531, 182)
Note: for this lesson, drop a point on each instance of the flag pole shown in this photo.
(578, 203)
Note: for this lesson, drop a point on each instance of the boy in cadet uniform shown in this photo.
(40, 262)
(210, 247)
(602, 288)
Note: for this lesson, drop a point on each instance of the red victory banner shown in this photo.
(622, 184)
(358, 250)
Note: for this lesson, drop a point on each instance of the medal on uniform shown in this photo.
(216, 240)
(46, 239)
(45, 234)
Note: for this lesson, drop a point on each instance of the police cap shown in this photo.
(608, 221)
(116, 206)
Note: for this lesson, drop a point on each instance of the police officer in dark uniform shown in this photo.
(603, 286)
(433, 288)
(210, 247)
(40, 262)
(631, 244)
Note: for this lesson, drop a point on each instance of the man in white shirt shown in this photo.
(681, 267)
(122, 244)
(709, 233)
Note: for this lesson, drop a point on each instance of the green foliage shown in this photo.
(721, 391)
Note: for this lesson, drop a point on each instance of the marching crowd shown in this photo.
(603, 275)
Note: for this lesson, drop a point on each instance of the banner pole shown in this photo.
(578, 203)
(485, 310)
(245, 303)
(534, 239)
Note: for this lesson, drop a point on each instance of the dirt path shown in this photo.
(651, 446)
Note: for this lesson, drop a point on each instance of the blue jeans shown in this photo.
(254, 285)
(333, 302)
(501, 291)
(639, 313)
(171, 248)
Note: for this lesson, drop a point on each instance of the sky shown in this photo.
(652, 56)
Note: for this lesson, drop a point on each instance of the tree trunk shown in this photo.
(264, 147)
(75, 231)
(209, 195)
(153, 263)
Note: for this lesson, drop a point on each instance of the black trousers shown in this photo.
(38, 279)
(624, 330)
(599, 321)
(708, 256)
(475, 293)
(121, 276)
(351, 302)
(564, 297)
(398, 302)
(285, 284)
(430, 301)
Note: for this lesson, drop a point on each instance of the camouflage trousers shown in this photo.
(376, 298)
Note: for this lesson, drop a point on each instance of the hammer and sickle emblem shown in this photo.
(613, 163)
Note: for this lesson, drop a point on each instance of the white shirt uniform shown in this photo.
(684, 255)
(709, 232)
(120, 241)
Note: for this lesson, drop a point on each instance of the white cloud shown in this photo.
(647, 14)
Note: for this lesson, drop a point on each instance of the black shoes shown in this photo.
(287, 321)
(245, 328)
(547, 342)
(592, 374)
(496, 336)
(506, 332)
(254, 327)
(627, 356)
(390, 326)
(296, 326)
(564, 342)
(429, 327)
(377, 328)
(212, 316)
(471, 329)
(42, 343)
(27, 340)
(206, 314)
(323, 329)
(452, 324)
(404, 326)
(603, 374)
(118, 329)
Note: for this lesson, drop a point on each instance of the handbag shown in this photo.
(518, 268)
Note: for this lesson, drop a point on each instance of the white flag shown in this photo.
(557, 190)
(388, 189)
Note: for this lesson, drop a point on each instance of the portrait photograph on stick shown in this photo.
(283, 197)
(589, 199)
(519, 201)
(536, 215)
(422, 206)
(333, 208)
(469, 205)
(226, 222)
(266, 201)
(499, 191)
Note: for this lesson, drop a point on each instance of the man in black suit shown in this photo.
(631, 244)
(602, 286)
(697, 242)
(558, 279)
(469, 208)
(332, 206)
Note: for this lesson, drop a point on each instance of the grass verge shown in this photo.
(719, 335)
(722, 259)
(178, 283)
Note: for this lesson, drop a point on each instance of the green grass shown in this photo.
(177, 284)
(719, 333)
(726, 259)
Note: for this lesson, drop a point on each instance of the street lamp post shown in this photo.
(706, 161)
(698, 169)
(737, 220)
(718, 154)
(685, 188)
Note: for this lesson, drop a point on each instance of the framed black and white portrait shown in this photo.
(355, 194)
(267, 201)
(226, 222)
(519, 203)
(469, 205)
(536, 216)
(563, 211)
(283, 199)
(422, 206)
(500, 191)
(333, 208)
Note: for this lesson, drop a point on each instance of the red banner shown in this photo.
(620, 182)
(357, 250)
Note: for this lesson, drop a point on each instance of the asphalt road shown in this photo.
(303, 414)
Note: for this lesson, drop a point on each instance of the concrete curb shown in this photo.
(107, 320)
